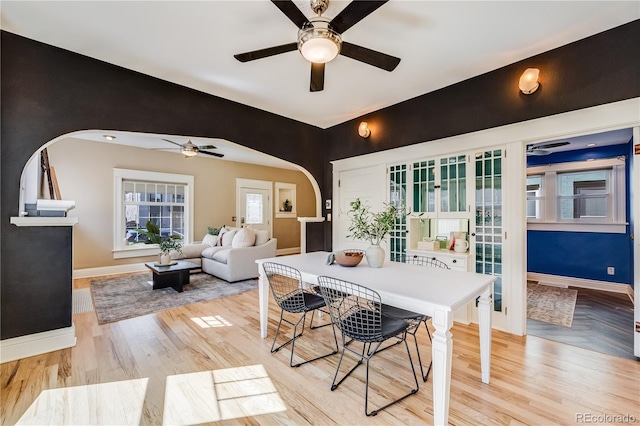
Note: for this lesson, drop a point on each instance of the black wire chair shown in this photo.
(287, 289)
(356, 311)
(413, 317)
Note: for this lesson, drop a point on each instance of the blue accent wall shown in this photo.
(584, 254)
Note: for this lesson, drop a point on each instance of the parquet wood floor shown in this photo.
(602, 322)
(205, 364)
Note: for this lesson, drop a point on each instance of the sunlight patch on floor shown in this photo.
(212, 321)
(210, 396)
(114, 403)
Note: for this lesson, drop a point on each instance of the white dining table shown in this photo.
(431, 291)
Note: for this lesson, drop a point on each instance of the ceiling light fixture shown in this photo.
(189, 152)
(109, 137)
(364, 130)
(591, 144)
(317, 42)
(529, 81)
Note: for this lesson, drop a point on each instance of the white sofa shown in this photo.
(232, 254)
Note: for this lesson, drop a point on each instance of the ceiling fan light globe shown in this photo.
(190, 152)
(319, 44)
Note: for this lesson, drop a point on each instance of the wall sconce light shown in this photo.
(529, 81)
(363, 130)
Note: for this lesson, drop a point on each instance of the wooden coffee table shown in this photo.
(175, 275)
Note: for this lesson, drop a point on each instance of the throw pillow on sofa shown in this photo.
(227, 237)
(210, 240)
(262, 236)
(244, 238)
(214, 231)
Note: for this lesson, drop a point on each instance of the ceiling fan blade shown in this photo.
(263, 53)
(207, 147)
(166, 149)
(317, 77)
(550, 145)
(538, 152)
(175, 143)
(214, 154)
(291, 10)
(368, 56)
(352, 14)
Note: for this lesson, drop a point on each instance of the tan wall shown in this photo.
(85, 175)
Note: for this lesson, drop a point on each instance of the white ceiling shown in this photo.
(193, 42)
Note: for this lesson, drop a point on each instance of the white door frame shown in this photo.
(635, 211)
(254, 184)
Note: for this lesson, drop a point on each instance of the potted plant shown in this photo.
(165, 243)
(373, 227)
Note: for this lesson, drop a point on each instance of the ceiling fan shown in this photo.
(320, 40)
(543, 149)
(190, 149)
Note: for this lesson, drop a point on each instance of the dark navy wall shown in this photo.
(584, 254)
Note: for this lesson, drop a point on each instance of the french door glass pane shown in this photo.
(398, 197)
(489, 219)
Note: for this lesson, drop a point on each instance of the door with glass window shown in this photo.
(255, 208)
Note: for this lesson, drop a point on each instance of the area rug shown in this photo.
(130, 296)
(554, 305)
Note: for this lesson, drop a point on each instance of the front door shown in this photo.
(254, 204)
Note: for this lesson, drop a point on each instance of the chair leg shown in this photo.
(275, 338)
(425, 377)
(335, 385)
(411, 392)
(295, 336)
(311, 327)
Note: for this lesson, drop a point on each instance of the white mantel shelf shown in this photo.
(311, 219)
(43, 221)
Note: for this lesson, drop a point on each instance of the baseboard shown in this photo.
(37, 343)
(288, 251)
(560, 281)
(109, 270)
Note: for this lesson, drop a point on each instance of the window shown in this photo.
(160, 203)
(584, 195)
(255, 207)
(163, 198)
(581, 196)
(534, 197)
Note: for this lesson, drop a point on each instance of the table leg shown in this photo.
(263, 289)
(442, 350)
(485, 307)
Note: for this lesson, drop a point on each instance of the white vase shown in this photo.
(375, 256)
(164, 259)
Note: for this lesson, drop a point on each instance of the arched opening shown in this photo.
(85, 161)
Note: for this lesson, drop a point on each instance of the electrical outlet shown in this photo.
(611, 270)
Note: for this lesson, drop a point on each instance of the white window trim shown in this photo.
(119, 175)
(550, 221)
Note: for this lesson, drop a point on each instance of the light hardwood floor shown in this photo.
(205, 363)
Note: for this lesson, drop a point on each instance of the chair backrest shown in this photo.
(425, 261)
(286, 286)
(354, 309)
